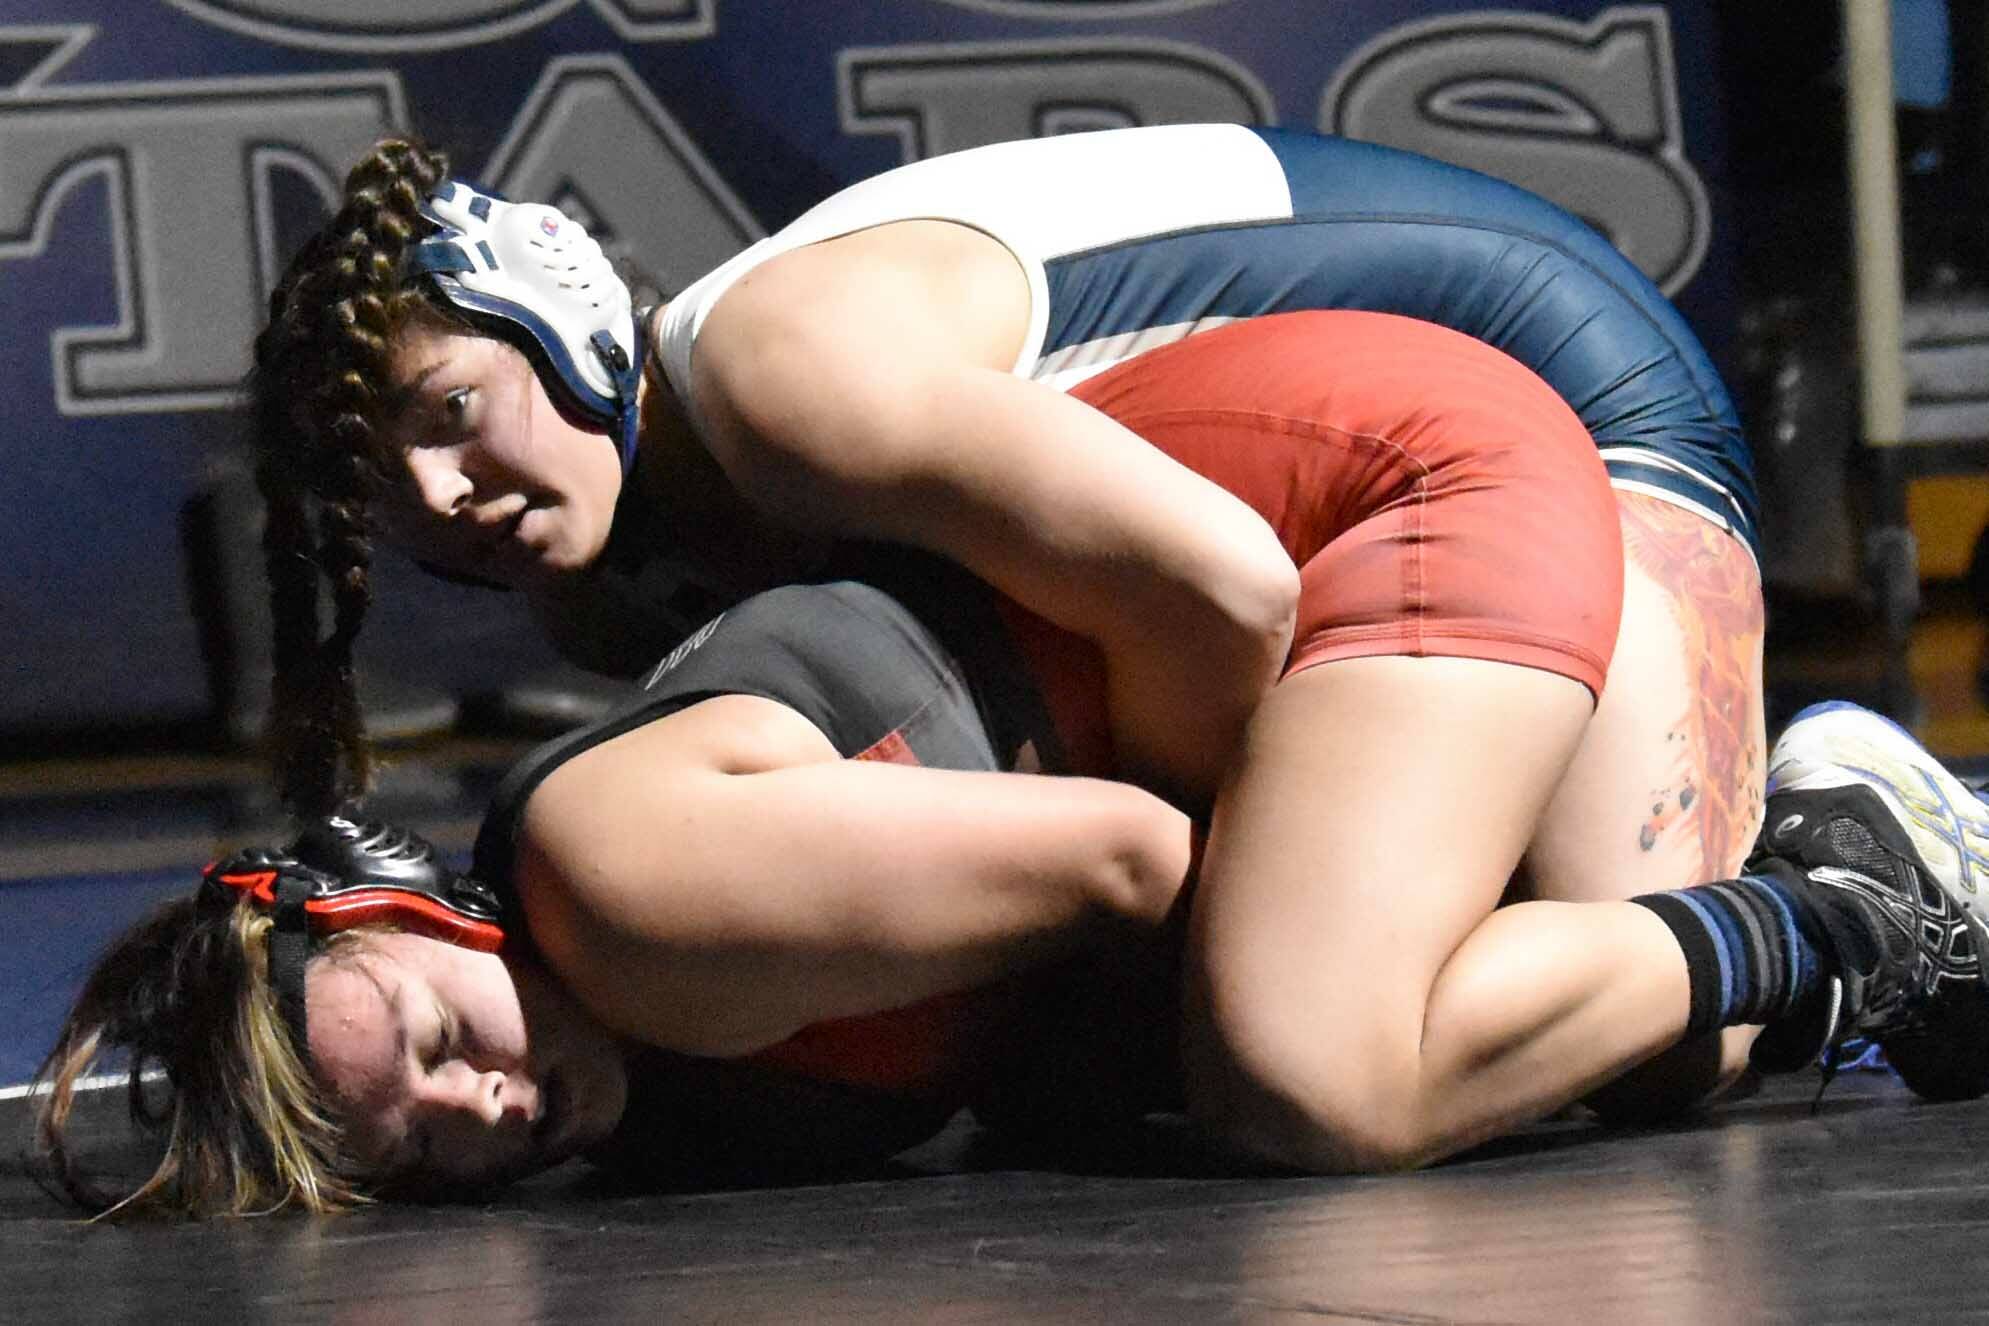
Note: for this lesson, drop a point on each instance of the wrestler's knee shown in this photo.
(1281, 1088)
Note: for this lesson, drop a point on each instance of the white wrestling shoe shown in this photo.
(1856, 805)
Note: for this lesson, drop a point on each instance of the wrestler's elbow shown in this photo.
(1238, 616)
(1265, 609)
(1144, 862)
(1181, 720)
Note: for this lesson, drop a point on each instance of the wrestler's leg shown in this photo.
(1665, 791)
(1353, 998)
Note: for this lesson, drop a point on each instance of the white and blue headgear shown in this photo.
(545, 282)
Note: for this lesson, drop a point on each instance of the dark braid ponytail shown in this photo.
(319, 402)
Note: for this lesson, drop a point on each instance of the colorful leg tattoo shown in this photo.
(1716, 598)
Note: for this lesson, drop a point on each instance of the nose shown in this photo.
(495, 1096)
(443, 487)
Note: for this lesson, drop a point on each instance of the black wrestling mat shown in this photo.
(1873, 1208)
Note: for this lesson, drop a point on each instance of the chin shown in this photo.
(557, 564)
(576, 550)
(591, 548)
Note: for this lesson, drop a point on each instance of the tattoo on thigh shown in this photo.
(1716, 598)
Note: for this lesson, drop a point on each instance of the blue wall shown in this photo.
(159, 161)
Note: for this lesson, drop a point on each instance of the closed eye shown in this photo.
(444, 1048)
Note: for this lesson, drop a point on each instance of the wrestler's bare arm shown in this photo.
(862, 387)
(715, 880)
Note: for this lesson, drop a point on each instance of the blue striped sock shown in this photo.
(1753, 948)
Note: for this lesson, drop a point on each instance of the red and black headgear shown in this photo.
(341, 873)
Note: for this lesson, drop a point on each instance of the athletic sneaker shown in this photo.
(1859, 807)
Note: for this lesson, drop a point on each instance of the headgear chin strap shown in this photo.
(544, 282)
(342, 873)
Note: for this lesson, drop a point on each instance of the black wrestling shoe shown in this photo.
(1857, 807)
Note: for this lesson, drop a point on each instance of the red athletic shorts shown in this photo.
(1437, 497)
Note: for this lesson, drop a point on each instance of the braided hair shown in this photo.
(319, 400)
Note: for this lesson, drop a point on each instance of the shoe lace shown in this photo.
(1827, 1063)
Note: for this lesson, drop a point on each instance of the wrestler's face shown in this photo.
(498, 483)
(451, 1069)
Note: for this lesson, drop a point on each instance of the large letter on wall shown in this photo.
(183, 161)
(940, 99)
(593, 140)
(396, 27)
(1584, 114)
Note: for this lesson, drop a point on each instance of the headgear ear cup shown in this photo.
(394, 875)
(342, 873)
(542, 281)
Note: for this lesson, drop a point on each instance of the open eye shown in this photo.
(456, 405)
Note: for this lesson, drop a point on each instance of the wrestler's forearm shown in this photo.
(717, 908)
(1186, 589)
